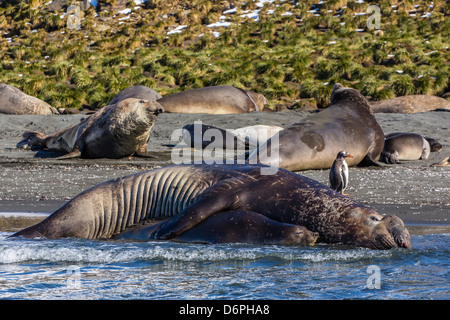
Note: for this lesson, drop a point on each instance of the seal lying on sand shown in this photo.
(234, 227)
(137, 92)
(115, 131)
(199, 135)
(410, 104)
(214, 100)
(347, 124)
(407, 146)
(192, 193)
(435, 146)
(14, 101)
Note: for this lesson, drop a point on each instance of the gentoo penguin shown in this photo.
(339, 173)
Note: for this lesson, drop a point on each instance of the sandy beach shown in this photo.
(34, 182)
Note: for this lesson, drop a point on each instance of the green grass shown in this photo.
(285, 57)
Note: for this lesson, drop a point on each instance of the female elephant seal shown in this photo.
(15, 101)
(214, 100)
(407, 146)
(200, 136)
(237, 226)
(189, 194)
(347, 124)
(115, 131)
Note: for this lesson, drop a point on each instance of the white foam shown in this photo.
(23, 214)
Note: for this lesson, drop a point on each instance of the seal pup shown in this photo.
(435, 146)
(115, 131)
(347, 124)
(406, 146)
(339, 173)
(236, 226)
(214, 100)
(189, 194)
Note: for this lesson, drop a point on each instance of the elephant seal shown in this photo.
(405, 146)
(137, 92)
(347, 124)
(443, 163)
(237, 226)
(214, 100)
(410, 104)
(14, 101)
(199, 135)
(435, 146)
(115, 131)
(188, 194)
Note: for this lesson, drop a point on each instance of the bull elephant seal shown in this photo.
(347, 124)
(405, 146)
(14, 101)
(191, 193)
(234, 227)
(115, 131)
(214, 100)
(137, 92)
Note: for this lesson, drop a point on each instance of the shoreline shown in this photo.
(412, 190)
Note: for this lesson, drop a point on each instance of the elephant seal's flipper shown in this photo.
(76, 153)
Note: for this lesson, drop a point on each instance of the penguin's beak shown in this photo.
(350, 156)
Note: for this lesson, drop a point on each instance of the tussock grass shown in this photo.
(290, 53)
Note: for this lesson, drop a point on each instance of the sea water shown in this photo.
(94, 269)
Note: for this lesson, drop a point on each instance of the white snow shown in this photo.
(177, 29)
(219, 24)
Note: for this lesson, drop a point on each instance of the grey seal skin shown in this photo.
(237, 226)
(214, 100)
(115, 131)
(347, 124)
(15, 101)
(188, 194)
(202, 135)
(405, 146)
(137, 92)
(435, 146)
(339, 173)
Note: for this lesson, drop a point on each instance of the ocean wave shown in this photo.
(99, 252)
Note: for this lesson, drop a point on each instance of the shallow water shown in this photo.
(86, 269)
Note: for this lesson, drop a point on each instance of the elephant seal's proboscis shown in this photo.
(115, 131)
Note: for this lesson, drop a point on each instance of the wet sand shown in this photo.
(33, 181)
